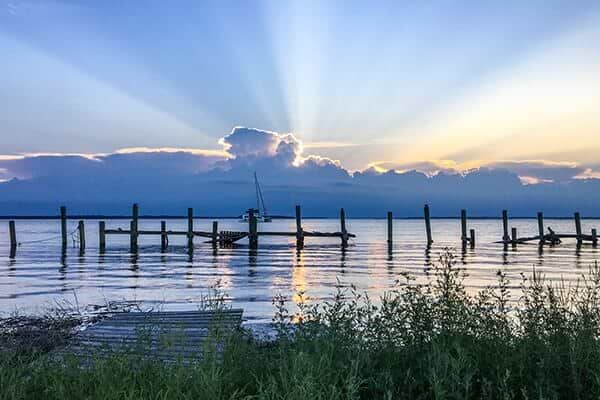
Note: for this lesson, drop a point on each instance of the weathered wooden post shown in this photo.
(505, 237)
(164, 239)
(514, 236)
(427, 225)
(472, 238)
(215, 233)
(190, 230)
(133, 247)
(594, 237)
(102, 236)
(463, 226)
(299, 230)
(133, 228)
(81, 232)
(390, 230)
(63, 226)
(343, 228)
(252, 229)
(578, 228)
(12, 233)
(540, 221)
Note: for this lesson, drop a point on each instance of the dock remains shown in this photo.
(226, 238)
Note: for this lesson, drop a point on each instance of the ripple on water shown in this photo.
(39, 275)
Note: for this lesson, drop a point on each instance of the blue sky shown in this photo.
(386, 84)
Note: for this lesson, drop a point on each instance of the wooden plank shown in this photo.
(176, 314)
(328, 234)
(117, 232)
(165, 336)
(290, 234)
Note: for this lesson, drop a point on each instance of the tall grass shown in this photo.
(431, 341)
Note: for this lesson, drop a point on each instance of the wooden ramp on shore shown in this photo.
(185, 336)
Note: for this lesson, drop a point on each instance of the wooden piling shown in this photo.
(390, 229)
(427, 224)
(164, 239)
(215, 233)
(343, 228)
(299, 230)
(463, 226)
(81, 231)
(12, 232)
(540, 221)
(63, 226)
(252, 229)
(102, 236)
(578, 228)
(133, 228)
(133, 245)
(472, 238)
(594, 237)
(505, 237)
(190, 230)
(514, 236)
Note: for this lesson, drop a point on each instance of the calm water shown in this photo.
(38, 276)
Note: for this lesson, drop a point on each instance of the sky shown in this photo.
(376, 86)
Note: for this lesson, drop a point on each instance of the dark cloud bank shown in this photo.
(221, 184)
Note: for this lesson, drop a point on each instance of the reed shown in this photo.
(420, 341)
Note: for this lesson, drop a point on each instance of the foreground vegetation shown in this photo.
(419, 342)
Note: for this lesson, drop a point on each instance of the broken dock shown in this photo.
(226, 238)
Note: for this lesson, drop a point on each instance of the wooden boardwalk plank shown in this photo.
(165, 336)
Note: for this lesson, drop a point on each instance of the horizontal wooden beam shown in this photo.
(158, 233)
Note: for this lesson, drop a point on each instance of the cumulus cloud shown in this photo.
(243, 149)
(429, 167)
(540, 171)
(256, 143)
(222, 180)
(129, 163)
(279, 159)
(529, 171)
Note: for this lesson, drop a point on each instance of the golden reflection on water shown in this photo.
(299, 284)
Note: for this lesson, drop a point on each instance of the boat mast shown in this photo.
(259, 197)
(256, 190)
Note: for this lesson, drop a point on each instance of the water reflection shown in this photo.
(252, 277)
(252, 262)
(299, 284)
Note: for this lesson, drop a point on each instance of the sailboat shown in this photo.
(260, 212)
